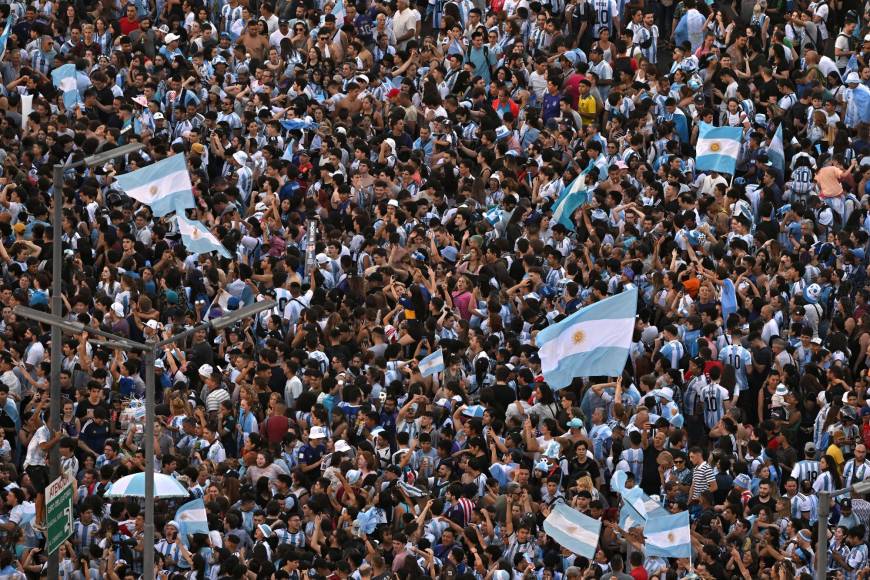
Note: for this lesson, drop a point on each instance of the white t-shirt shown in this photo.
(405, 21)
(842, 43)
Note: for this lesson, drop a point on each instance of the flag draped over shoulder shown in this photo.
(573, 196)
(4, 36)
(776, 150)
(65, 79)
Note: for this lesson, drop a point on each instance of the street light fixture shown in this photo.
(105, 156)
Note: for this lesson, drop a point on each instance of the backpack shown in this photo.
(485, 56)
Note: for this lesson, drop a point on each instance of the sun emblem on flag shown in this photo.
(715, 147)
(671, 537)
(195, 234)
(579, 337)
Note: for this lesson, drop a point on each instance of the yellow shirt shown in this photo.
(586, 106)
(837, 456)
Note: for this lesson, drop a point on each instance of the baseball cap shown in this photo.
(206, 371)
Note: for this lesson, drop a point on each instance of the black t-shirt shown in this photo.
(499, 396)
(83, 408)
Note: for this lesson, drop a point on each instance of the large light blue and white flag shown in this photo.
(572, 197)
(198, 240)
(594, 341)
(573, 530)
(164, 186)
(4, 36)
(434, 363)
(64, 79)
(191, 519)
(776, 150)
(298, 124)
(668, 536)
(717, 148)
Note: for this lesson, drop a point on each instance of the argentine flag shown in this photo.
(630, 517)
(434, 363)
(668, 536)
(573, 530)
(164, 186)
(197, 239)
(593, 341)
(5, 36)
(339, 13)
(298, 124)
(64, 78)
(717, 148)
(776, 150)
(572, 197)
(192, 519)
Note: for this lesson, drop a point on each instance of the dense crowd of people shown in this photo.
(431, 143)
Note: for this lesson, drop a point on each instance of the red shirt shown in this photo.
(274, 428)
(639, 573)
(127, 26)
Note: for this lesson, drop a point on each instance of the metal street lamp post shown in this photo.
(149, 350)
(825, 498)
(57, 303)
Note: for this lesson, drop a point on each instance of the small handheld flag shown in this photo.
(191, 519)
(198, 240)
(434, 363)
(717, 148)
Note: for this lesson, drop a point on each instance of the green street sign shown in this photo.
(58, 513)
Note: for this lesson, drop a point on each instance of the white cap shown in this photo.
(342, 446)
(159, 364)
(158, 116)
(118, 309)
(206, 371)
(171, 37)
(241, 157)
(322, 259)
(393, 203)
(853, 77)
(153, 325)
(317, 433)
